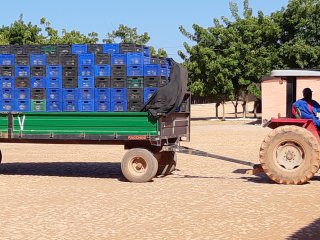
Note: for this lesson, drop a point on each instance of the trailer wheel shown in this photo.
(167, 161)
(290, 155)
(139, 165)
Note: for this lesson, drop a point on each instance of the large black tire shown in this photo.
(167, 161)
(290, 155)
(139, 165)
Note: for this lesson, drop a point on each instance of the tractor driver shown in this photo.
(308, 107)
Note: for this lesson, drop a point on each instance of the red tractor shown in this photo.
(290, 153)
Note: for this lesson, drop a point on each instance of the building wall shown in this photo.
(274, 92)
(310, 82)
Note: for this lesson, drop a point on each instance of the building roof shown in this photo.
(295, 73)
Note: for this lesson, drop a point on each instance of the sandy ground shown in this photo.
(78, 192)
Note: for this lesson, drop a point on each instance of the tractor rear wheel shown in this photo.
(290, 155)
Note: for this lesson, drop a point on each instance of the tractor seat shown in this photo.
(296, 113)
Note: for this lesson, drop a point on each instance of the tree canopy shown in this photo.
(227, 60)
(20, 32)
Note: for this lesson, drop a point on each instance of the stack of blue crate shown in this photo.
(7, 82)
(79, 77)
(85, 81)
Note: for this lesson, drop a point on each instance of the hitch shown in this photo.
(186, 150)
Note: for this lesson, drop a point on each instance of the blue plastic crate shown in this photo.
(6, 105)
(79, 48)
(53, 83)
(119, 94)
(164, 70)
(6, 59)
(70, 94)
(7, 82)
(148, 92)
(54, 94)
(134, 58)
(86, 82)
(102, 106)
(152, 70)
(70, 106)
(134, 70)
(22, 106)
(86, 94)
(118, 59)
(22, 71)
(102, 94)
(54, 71)
(119, 106)
(22, 93)
(38, 82)
(111, 48)
(54, 106)
(37, 59)
(146, 60)
(86, 71)
(7, 93)
(102, 70)
(146, 51)
(86, 59)
(86, 106)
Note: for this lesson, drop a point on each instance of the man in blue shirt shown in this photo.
(308, 107)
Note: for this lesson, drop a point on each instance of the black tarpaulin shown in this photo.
(169, 97)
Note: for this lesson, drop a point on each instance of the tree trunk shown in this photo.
(256, 105)
(244, 108)
(217, 108)
(235, 105)
(223, 112)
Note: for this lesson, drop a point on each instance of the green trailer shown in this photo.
(147, 140)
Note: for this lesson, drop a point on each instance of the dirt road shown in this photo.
(78, 192)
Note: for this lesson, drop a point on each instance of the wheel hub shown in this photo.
(289, 156)
(138, 165)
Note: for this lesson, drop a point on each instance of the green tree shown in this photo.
(228, 59)
(300, 38)
(126, 34)
(254, 47)
(208, 67)
(21, 33)
(52, 35)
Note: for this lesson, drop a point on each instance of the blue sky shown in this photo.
(160, 19)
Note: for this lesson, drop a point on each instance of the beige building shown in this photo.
(283, 88)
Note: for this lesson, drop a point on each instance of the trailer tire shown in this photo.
(139, 165)
(290, 155)
(167, 161)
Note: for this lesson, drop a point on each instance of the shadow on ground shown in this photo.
(309, 232)
(255, 122)
(64, 169)
(263, 178)
(258, 178)
(203, 118)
